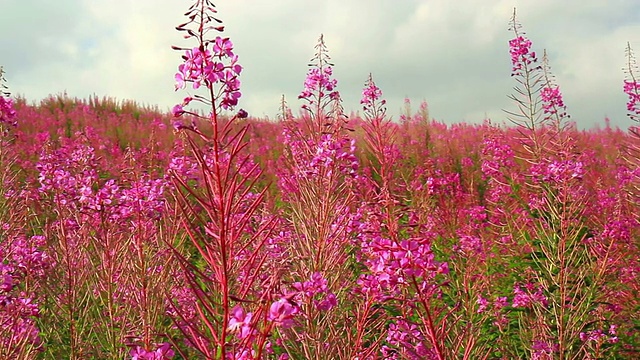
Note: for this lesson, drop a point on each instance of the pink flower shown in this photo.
(519, 48)
(482, 304)
(371, 93)
(207, 68)
(163, 352)
(552, 103)
(180, 80)
(632, 89)
(328, 303)
(177, 110)
(319, 82)
(223, 47)
(7, 113)
(240, 322)
(281, 313)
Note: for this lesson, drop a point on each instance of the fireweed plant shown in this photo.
(630, 174)
(631, 88)
(320, 170)
(561, 290)
(232, 306)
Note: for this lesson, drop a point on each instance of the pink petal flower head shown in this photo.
(328, 303)
(7, 113)
(177, 110)
(482, 304)
(223, 47)
(632, 89)
(163, 352)
(240, 322)
(180, 80)
(552, 103)
(281, 313)
(519, 48)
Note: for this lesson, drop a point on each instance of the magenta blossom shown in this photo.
(521, 54)
(240, 322)
(163, 352)
(281, 313)
(632, 89)
(319, 81)
(7, 113)
(370, 94)
(552, 102)
(210, 67)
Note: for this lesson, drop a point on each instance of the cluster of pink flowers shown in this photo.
(70, 174)
(242, 323)
(438, 183)
(406, 341)
(329, 158)
(632, 89)
(245, 326)
(552, 103)
(372, 103)
(183, 166)
(521, 54)
(558, 171)
(497, 164)
(282, 312)
(371, 94)
(600, 336)
(316, 289)
(403, 258)
(531, 294)
(543, 350)
(394, 266)
(340, 152)
(27, 256)
(163, 352)
(319, 82)
(204, 67)
(498, 304)
(497, 157)
(144, 197)
(7, 113)
(21, 258)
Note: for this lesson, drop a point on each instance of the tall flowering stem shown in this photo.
(553, 105)
(631, 85)
(631, 88)
(322, 100)
(317, 181)
(223, 264)
(560, 289)
(527, 73)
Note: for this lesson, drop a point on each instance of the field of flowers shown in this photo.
(131, 233)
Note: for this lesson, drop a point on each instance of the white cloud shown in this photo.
(451, 53)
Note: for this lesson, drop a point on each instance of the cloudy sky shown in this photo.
(453, 54)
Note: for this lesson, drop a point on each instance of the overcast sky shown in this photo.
(453, 54)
